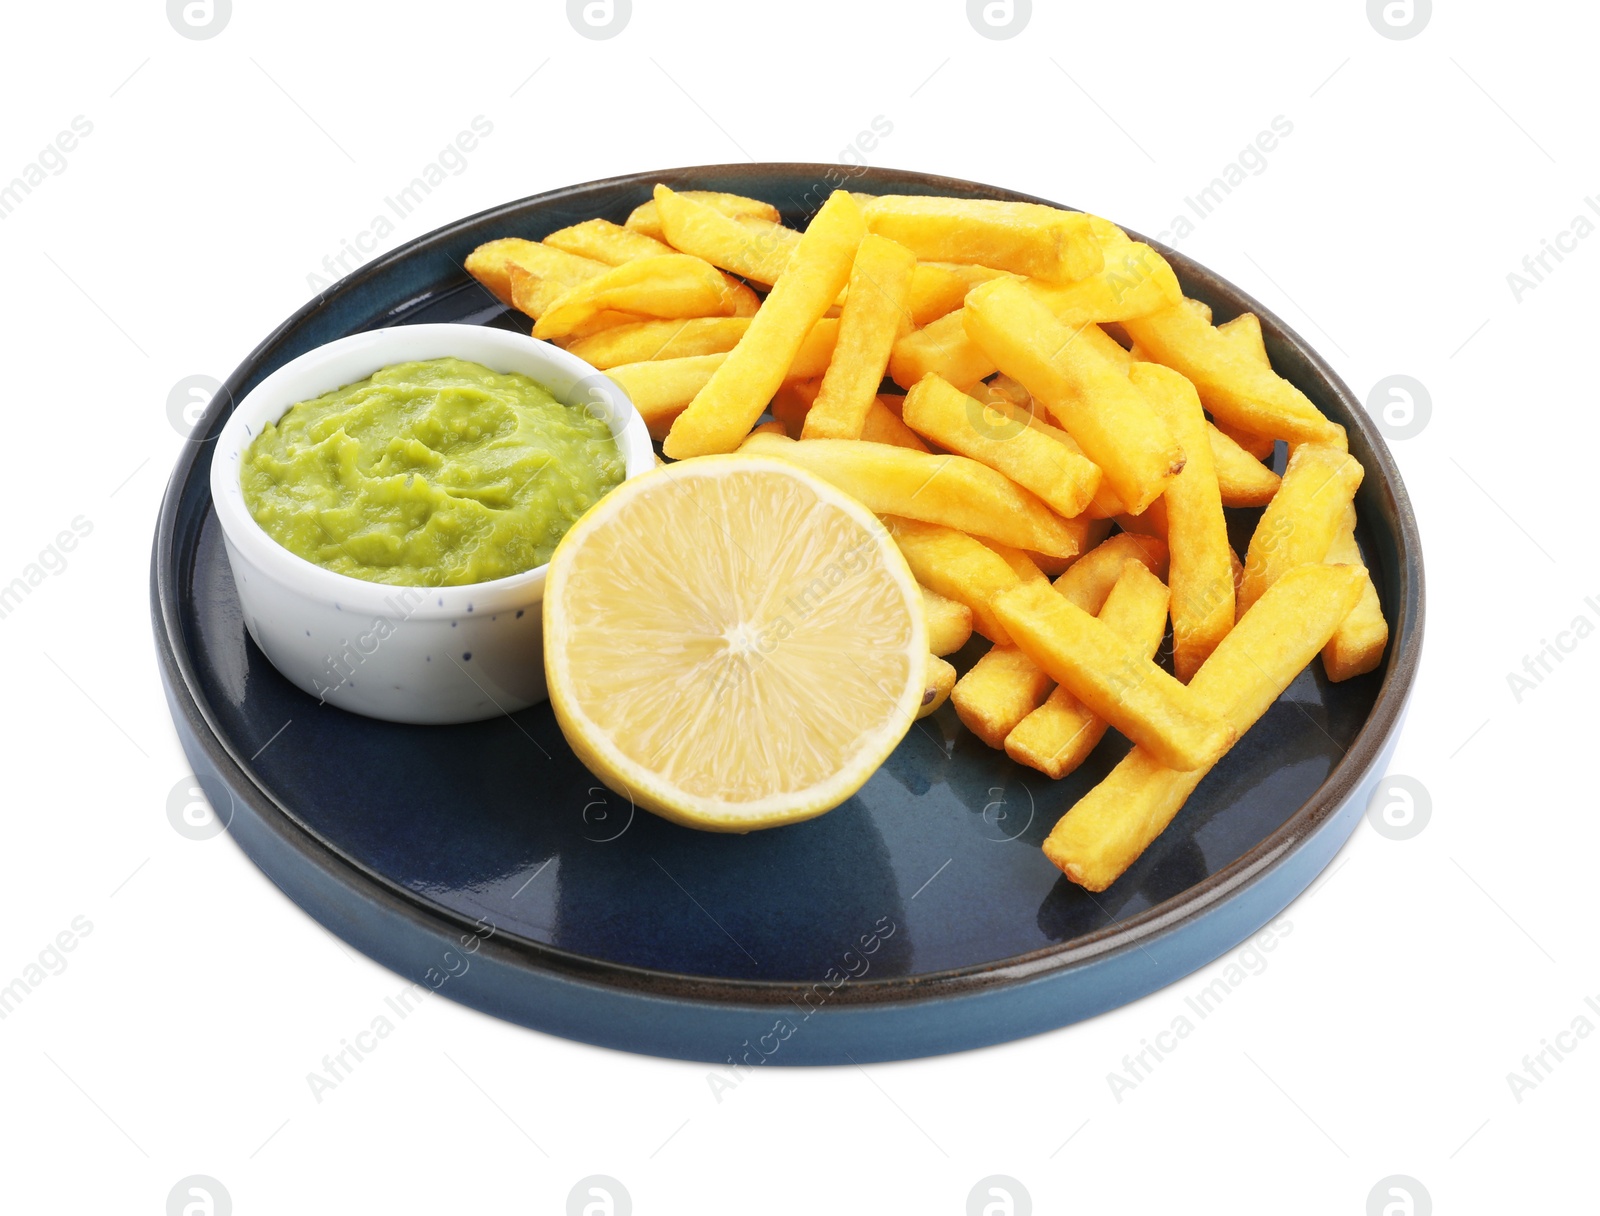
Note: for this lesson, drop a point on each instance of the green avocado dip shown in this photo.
(436, 473)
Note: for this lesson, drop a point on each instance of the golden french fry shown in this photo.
(1245, 329)
(1000, 410)
(999, 691)
(553, 270)
(811, 361)
(1059, 735)
(957, 567)
(1233, 385)
(1097, 530)
(1021, 563)
(1153, 522)
(1089, 394)
(1108, 673)
(601, 322)
(1003, 385)
(670, 285)
(742, 302)
(759, 254)
(874, 314)
(661, 389)
(1241, 478)
(949, 490)
(937, 288)
(1134, 282)
(943, 348)
(791, 403)
(605, 242)
(1358, 644)
(937, 409)
(1304, 516)
(1024, 238)
(1050, 567)
(771, 427)
(1110, 826)
(883, 425)
(949, 623)
(722, 414)
(1259, 446)
(941, 679)
(642, 341)
(1086, 583)
(1197, 531)
(646, 218)
(1089, 580)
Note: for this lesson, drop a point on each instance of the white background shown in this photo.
(1378, 1038)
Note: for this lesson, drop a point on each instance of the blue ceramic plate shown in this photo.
(920, 917)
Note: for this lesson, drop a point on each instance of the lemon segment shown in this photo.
(732, 643)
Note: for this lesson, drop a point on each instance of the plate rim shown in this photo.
(1137, 932)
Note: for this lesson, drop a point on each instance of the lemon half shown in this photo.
(732, 643)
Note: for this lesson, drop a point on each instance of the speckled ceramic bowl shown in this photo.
(405, 654)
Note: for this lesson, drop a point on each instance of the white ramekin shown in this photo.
(405, 654)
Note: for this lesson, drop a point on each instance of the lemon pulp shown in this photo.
(732, 643)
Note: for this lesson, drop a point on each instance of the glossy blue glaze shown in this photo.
(919, 917)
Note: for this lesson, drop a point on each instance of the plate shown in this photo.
(485, 863)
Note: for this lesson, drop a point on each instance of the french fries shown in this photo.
(1259, 446)
(1357, 646)
(606, 242)
(1107, 672)
(1001, 416)
(949, 623)
(646, 218)
(883, 425)
(949, 490)
(1024, 238)
(793, 402)
(957, 567)
(1024, 567)
(661, 389)
(1089, 580)
(1233, 385)
(552, 270)
(1059, 735)
(811, 361)
(1196, 531)
(724, 411)
(1013, 683)
(1134, 282)
(1245, 329)
(999, 691)
(874, 314)
(1109, 827)
(642, 341)
(1242, 479)
(943, 347)
(670, 285)
(941, 679)
(1062, 380)
(937, 288)
(1303, 518)
(1089, 394)
(941, 412)
(757, 253)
